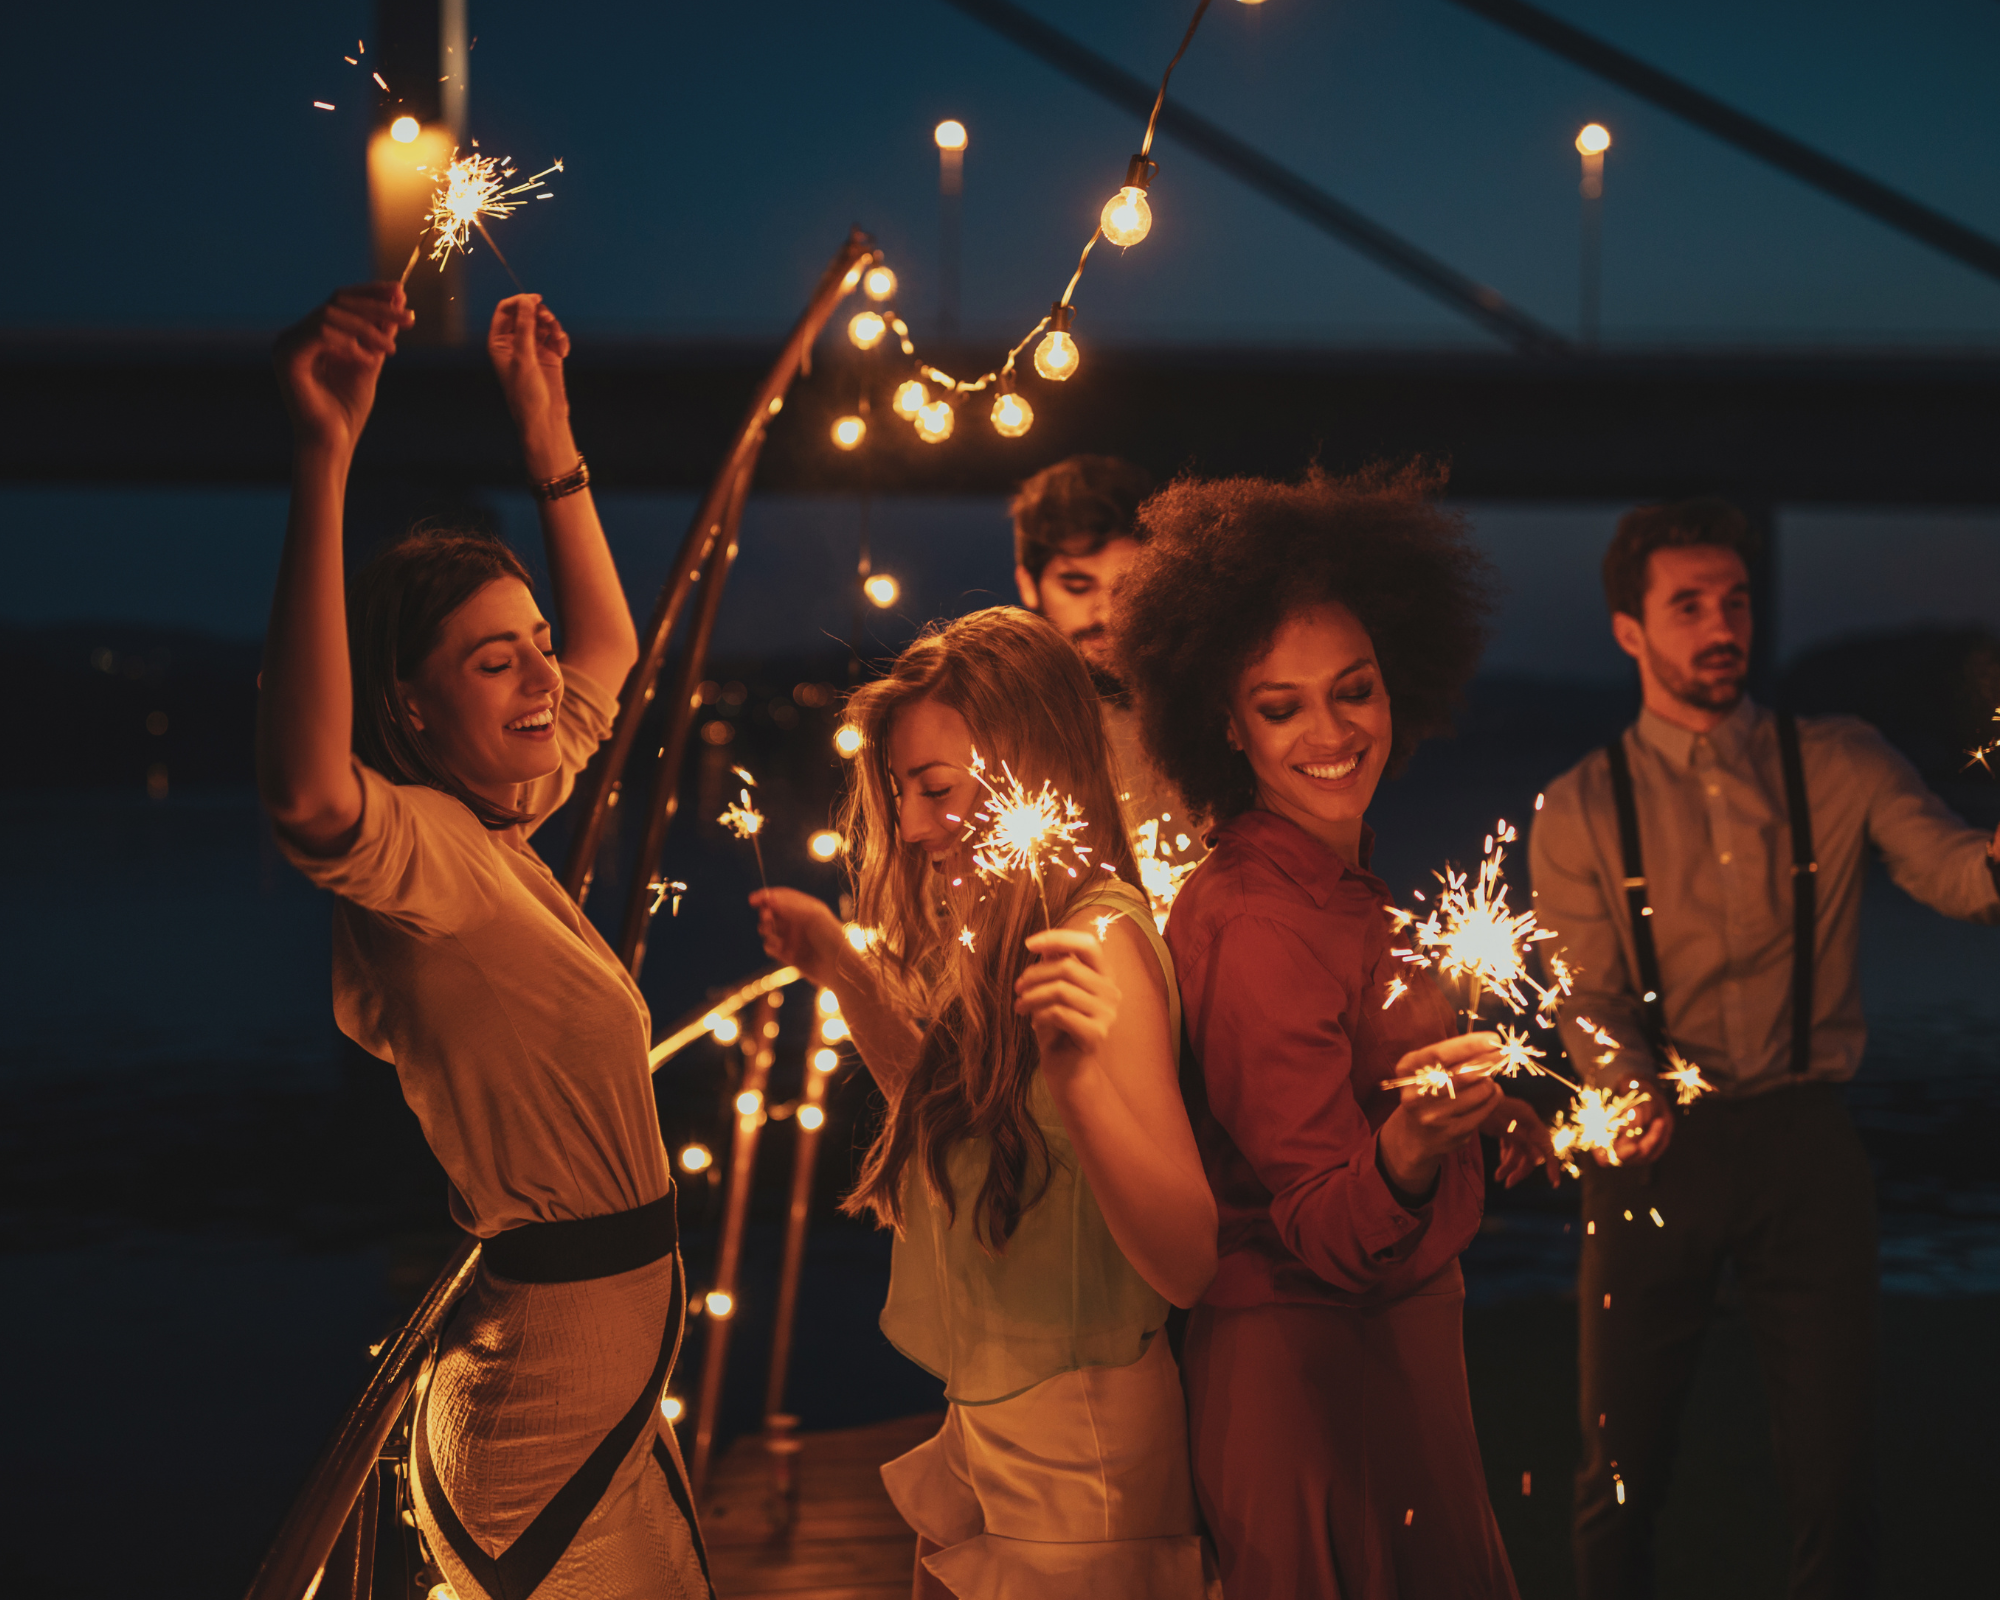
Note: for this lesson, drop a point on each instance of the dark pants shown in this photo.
(1778, 1184)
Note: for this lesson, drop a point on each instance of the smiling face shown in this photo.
(1074, 592)
(930, 765)
(486, 696)
(1312, 716)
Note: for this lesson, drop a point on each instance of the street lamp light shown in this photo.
(1591, 143)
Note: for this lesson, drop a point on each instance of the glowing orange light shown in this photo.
(879, 283)
(911, 397)
(1594, 139)
(811, 1117)
(1012, 416)
(950, 134)
(404, 130)
(1056, 356)
(934, 422)
(866, 329)
(848, 432)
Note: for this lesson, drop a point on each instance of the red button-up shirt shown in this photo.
(1283, 955)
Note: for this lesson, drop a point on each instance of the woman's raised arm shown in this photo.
(528, 347)
(802, 932)
(327, 367)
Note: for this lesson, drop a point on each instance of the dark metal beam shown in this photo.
(1252, 167)
(1755, 138)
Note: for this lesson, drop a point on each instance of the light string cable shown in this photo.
(1125, 220)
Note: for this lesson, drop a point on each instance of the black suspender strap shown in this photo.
(1635, 894)
(1805, 891)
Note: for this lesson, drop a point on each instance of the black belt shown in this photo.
(575, 1252)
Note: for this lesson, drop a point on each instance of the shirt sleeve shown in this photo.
(1586, 914)
(1932, 855)
(583, 722)
(1264, 1017)
(398, 862)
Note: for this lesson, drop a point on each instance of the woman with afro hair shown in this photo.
(1289, 644)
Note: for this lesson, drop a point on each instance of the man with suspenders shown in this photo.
(1703, 876)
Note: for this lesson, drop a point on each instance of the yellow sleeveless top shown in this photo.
(1062, 1296)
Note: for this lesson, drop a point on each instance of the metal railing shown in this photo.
(324, 1547)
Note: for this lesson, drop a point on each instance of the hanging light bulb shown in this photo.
(824, 845)
(719, 1302)
(1126, 217)
(883, 590)
(828, 1003)
(749, 1103)
(404, 130)
(878, 283)
(696, 1158)
(811, 1118)
(847, 740)
(825, 1060)
(1012, 416)
(671, 1407)
(934, 422)
(911, 397)
(849, 431)
(866, 329)
(1056, 356)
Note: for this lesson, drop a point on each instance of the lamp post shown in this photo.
(950, 139)
(1591, 143)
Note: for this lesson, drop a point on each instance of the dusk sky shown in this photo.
(170, 174)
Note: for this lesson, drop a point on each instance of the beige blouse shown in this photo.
(519, 1038)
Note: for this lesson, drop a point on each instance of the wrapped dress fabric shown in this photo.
(1334, 1448)
(1061, 1472)
(521, 1045)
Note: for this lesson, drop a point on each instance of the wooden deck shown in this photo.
(848, 1542)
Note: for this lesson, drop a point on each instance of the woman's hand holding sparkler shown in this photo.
(1525, 1142)
(329, 363)
(1428, 1126)
(1068, 995)
(528, 348)
(799, 931)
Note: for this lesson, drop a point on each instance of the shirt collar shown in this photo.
(1297, 854)
(1729, 738)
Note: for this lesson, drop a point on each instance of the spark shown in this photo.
(1102, 923)
(378, 82)
(469, 190)
(1658, 1220)
(665, 889)
(1161, 875)
(965, 937)
(1517, 1055)
(745, 821)
(1981, 756)
(1472, 935)
(323, 105)
(1023, 832)
(859, 939)
(1397, 989)
(1685, 1076)
(1432, 1079)
(1596, 1120)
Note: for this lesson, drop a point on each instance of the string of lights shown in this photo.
(926, 401)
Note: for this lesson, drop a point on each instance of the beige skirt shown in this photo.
(1077, 1489)
(541, 1463)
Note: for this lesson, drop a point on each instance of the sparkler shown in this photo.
(1019, 831)
(1597, 1120)
(745, 821)
(472, 188)
(665, 889)
(1161, 875)
(1685, 1076)
(1982, 755)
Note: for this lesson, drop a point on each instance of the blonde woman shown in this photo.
(1036, 1161)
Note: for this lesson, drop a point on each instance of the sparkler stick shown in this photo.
(518, 284)
(410, 266)
(745, 821)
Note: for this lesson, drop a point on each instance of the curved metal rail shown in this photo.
(297, 1560)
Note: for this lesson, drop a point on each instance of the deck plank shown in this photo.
(848, 1542)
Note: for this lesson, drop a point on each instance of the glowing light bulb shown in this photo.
(849, 431)
(824, 845)
(847, 740)
(828, 1003)
(879, 283)
(833, 1029)
(950, 134)
(866, 329)
(719, 1303)
(1126, 217)
(404, 130)
(824, 1060)
(444, 1591)
(811, 1117)
(696, 1158)
(883, 590)
(749, 1103)
(934, 422)
(1594, 140)
(671, 1407)
(911, 397)
(725, 1030)
(1056, 356)
(1012, 416)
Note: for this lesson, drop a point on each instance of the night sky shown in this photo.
(172, 176)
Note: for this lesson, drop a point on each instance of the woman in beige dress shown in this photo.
(408, 743)
(1036, 1161)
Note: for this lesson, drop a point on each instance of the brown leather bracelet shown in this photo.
(571, 482)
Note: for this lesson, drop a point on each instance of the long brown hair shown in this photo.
(1028, 700)
(397, 606)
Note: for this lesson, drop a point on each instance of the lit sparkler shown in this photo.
(1685, 1076)
(1597, 1120)
(665, 889)
(472, 188)
(745, 821)
(1019, 831)
(1982, 755)
(1161, 875)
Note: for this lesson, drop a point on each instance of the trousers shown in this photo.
(1777, 1185)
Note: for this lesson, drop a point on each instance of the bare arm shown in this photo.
(801, 932)
(1100, 1015)
(327, 366)
(528, 347)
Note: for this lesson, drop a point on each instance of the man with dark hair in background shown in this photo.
(1703, 875)
(1075, 533)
